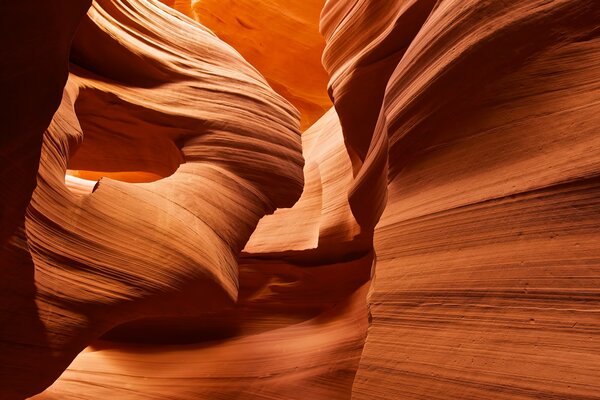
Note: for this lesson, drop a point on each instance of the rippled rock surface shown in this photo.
(193, 207)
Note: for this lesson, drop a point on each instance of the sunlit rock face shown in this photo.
(280, 38)
(432, 233)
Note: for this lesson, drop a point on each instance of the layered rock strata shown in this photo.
(434, 235)
(479, 147)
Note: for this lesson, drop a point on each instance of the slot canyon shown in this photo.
(300, 200)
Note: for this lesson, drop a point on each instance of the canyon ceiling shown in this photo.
(300, 199)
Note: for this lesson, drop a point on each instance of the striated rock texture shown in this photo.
(296, 330)
(280, 38)
(145, 101)
(484, 119)
(35, 40)
(434, 235)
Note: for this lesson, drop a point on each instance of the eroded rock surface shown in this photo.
(149, 102)
(434, 235)
(485, 123)
(280, 38)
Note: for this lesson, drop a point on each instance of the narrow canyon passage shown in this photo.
(286, 199)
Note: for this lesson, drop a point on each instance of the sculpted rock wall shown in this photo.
(434, 235)
(35, 40)
(290, 337)
(173, 112)
(486, 126)
(320, 226)
(36, 37)
(280, 38)
(128, 251)
(296, 330)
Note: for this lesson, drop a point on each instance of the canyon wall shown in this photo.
(484, 119)
(203, 216)
(280, 38)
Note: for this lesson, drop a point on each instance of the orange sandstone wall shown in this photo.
(433, 235)
(485, 124)
(280, 38)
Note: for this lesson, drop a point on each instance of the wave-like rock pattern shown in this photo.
(321, 225)
(442, 231)
(297, 328)
(290, 337)
(280, 38)
(485, 124)
(169, 247)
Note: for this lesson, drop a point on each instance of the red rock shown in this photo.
(280, 38)
(434, 235)
(486, 252)
(35, 45)
(168, 247)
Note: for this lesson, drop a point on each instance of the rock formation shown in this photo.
(198, 231)
(484, 119)
(279, 37)
(34, 72)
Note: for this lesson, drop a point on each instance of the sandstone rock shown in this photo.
(434, 235)
(128, 251)
(280, 38)
(484, 121)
